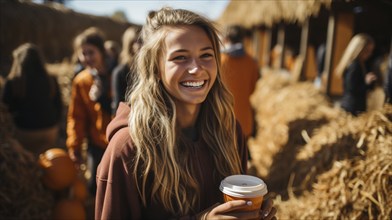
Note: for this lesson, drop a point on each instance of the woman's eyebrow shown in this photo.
(179, 51)
(207, 48)
(184, 50)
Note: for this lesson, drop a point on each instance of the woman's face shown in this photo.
(90, 56)
(188, 68)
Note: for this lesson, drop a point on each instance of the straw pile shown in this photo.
(285, 113)
(357, 186)
(318, 161)
(22, 193)
(64, 73)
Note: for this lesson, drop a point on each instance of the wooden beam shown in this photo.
(340, 32)
(267, 48)
(281, 36)
(263, 46)
(326, 76)
(344, 29)
(303, 47)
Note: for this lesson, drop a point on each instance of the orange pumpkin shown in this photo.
(79, 189)
(67, 209)
(59, 169)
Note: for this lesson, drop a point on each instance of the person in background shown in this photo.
(176, 137)
(89, 110)
(122, 75)
(357, 80)
(34, 100)
(376, 94)
(240, 73)
(320, 58)
(112, 51)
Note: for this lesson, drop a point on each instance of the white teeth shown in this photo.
(193, 84)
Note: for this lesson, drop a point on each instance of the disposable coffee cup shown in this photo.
(244, 187)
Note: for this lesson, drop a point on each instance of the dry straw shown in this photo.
(254, 13)
(318, 161)
(22, 194)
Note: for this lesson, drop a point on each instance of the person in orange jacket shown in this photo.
(89, 110)
(240, 73)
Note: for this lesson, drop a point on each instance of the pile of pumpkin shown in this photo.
(47, 187)
(50, 189)
(60, 175)
(318, 161)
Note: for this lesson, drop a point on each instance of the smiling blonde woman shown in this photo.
(176, 138)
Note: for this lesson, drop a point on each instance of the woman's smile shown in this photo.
(194, 84)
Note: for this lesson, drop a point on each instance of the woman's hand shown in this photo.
(229, 210)
(268, 210)
(76, 157)
(370, 77)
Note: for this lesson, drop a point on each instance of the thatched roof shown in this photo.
(267, 12)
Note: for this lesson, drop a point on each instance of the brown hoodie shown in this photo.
(117, 195)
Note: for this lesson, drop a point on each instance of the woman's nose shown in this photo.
(193, 67)
(193, 70)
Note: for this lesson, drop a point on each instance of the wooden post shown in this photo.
(281, 36)
(248, 44)
(340, 32)
(326, 75)
(267, 48)
(256, 43)
(264, 45)
(303, 47)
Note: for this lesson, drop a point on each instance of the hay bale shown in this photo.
(64, 73)
(22, 193)
(318, 161)
(356, 187)
(286, 112)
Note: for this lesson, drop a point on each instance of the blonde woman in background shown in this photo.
(122, 75)
(112, 51)
(357, 79)
(176, 138)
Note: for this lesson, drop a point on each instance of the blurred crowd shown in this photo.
(31, 97)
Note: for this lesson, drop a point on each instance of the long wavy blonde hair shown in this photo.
(162, 158)
(352, 51)
(129, 37)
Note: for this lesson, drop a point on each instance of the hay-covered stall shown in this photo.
(282, 34)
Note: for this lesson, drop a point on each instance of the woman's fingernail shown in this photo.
(266, 214)
(249, 203)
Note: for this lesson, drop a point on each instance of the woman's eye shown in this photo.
(206, 55)
(179, 58)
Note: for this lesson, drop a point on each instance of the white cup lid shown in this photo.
(243, 186)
